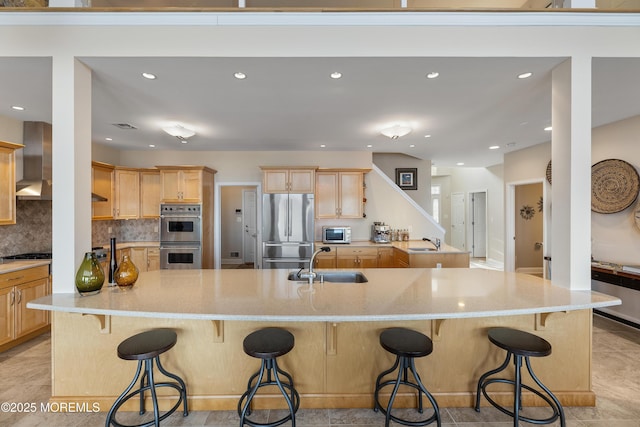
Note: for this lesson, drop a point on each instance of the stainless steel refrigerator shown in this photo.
(287, 230)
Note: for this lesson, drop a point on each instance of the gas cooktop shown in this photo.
(33, 255)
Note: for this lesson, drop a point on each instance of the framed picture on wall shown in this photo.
(407, 178)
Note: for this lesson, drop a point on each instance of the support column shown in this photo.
(71, 169)
(571, 154)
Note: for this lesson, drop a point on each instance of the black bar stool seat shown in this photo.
(267, 344)
(147, 347)
(406, 344)
(519, 344)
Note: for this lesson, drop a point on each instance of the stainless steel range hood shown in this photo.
(36, 170)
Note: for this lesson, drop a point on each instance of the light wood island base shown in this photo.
(334, 365)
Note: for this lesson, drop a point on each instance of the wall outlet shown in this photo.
(155, 229)
(234, 254)
(109, 230)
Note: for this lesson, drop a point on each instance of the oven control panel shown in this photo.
(180, 209)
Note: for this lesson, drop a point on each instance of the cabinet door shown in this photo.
(7, 186)
(325, 260)
(351, 194)
(191, 186)
(301, 180)
(7, 303)
(102, 185)
(346, 261)
(368, 261)
(326, 194)
(170, 185)
(153, 259)
(276, 181)
(127, 186)
(28, 320)
(385, 258)
(139, 258)
(149, 194)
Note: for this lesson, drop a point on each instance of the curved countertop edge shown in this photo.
(46, 303)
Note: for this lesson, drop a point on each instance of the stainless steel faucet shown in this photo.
(310, 274)
(435, 242)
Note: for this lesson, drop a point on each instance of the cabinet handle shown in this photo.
(19, 297)
(13, 297)
(15, 278)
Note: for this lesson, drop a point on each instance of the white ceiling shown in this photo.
(293, 104)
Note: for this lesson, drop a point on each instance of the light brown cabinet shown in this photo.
(184, 184)
(127, 193)
(102, 178)
(8, 182)
(339, 193)
(325, 260)
(288, 180)
(17, 323)
(153, 259)
(149, 193)
(385, 258)
(356, 257)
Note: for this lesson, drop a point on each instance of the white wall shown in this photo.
(615, 237)
(388, 162)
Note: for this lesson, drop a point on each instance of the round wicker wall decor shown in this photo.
(614, 186)
(549, 172)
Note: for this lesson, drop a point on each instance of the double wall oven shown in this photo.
(180, 236)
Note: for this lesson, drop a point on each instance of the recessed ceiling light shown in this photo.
(548, 128)
(152, 146)
(412, 145)
(427, 136)
(369, 145)
(336, 75)
(460, 164)
(17, 107)
(149, 76)
(494, 147)
(109, 139)
(322, 145)
(240, 76)
(184, 141)
(433, 75)
(525, 75)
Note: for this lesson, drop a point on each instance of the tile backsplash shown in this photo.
(132, 230)
(32, 231)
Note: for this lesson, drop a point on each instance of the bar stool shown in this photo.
(267, 344)
(147, 347)
(406, 344)
(520, 344)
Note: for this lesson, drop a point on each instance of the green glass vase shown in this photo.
(126, 274)
(90, 276)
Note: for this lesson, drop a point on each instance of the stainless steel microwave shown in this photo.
(336, 234)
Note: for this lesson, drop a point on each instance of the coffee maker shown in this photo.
(380, 233)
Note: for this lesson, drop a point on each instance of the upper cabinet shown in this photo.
(127, 192)
(8, 182)
(288, 179)
(149, 193)
(102, 180)
(185, 184)
(340, 193)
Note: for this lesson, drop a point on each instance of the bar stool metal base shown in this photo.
(547, 396)
(267, 344)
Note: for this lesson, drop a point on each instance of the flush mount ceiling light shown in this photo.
(240, 75)
(396, 131)
(336, 75)
(149, 76)
(432, 75)
(180, 132)
(525, 75)
(17, 108)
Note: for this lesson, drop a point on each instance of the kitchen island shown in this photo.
(336, 326)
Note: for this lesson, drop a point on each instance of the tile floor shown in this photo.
(25, 378)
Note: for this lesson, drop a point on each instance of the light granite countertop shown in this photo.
(411, 246)
(11, 266)
(390, 294)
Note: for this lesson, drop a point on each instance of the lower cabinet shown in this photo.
(357, 257)
(16, 290)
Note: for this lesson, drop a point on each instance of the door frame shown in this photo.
(217, 219)
(464, 219)
(510, 221)
(470, 223)
(244, 217)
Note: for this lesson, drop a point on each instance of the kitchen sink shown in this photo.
(333, 277)
(422, 249)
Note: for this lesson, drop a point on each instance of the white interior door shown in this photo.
(457, 221)
(249, 226)
(479, 224)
